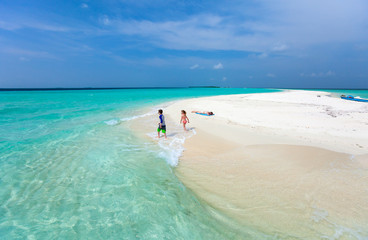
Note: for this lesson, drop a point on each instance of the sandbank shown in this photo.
(291, 164)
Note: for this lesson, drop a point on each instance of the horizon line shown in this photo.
(117, 88)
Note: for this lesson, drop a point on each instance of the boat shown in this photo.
(357, 99)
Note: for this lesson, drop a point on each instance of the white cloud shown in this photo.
(263, 55)
(280, 47)
(281, 25)
(271, 75)
(224, 79)
(11, 26)
(194, 66)
(318, 75)
(18, 51)
(8, 25)
(218, 66)
(23, 59)
(105, 20)
(288, 24)
(27, 55)
(195, 33)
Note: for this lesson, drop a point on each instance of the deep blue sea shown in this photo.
(69, 171)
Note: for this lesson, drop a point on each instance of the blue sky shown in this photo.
(142, 43)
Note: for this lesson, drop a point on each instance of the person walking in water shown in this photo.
(184, 119)
(161, 124)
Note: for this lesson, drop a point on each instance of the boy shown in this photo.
(161, 124)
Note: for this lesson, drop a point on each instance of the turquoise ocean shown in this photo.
(71, 168)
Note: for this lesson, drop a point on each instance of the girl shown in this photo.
(184, 119)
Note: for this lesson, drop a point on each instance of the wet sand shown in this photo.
(283, 190)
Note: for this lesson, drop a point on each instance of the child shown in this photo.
(184, 119)
(161, 124)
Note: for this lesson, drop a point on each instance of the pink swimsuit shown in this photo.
(184, 120)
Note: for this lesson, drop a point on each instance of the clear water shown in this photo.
(68, 170)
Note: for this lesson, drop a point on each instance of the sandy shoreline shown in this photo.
(290, 164)
(290, 117)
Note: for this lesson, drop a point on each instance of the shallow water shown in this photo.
(71, 167)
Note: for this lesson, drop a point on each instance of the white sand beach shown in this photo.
(292, 162)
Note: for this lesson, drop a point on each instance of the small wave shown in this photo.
(172, 150)
(114, 122)
(320, 215)
(173, 147)
(135, 117)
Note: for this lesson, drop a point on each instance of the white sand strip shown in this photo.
(299, 117)
(291, 164)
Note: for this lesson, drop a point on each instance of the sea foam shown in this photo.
(116, 121)
(172, 147)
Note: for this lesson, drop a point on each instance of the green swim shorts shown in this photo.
(162, 128)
